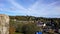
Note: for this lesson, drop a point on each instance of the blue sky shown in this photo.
(39, 8)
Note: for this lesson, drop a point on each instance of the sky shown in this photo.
(38, 8)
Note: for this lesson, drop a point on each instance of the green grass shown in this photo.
(18, 33)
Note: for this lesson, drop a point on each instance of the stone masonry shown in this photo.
(4, 24)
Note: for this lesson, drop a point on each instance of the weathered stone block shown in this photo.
(4, 24)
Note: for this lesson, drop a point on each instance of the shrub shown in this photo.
(11, 30)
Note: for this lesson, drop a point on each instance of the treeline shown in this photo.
(31, 18)
(28, 28)
(24, 18)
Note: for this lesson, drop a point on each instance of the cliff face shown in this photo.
(4, 24)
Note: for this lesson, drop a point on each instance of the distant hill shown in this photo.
(31, 18)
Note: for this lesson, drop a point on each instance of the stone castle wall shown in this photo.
(4, 24)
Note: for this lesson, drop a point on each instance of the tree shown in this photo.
(30, 28)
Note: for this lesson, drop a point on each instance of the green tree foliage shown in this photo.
(29, 28)
(19, 27)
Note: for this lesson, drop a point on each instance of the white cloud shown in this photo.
(17, 5)
(37, 9)
(48, 10)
